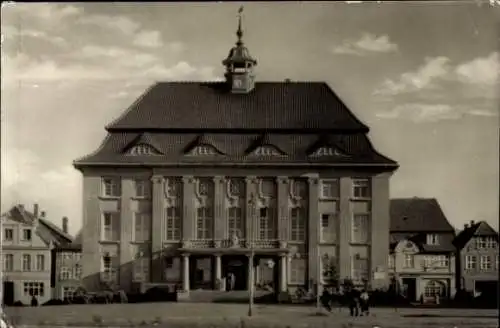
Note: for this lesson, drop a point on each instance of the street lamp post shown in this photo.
(251, 237)
(318, 282)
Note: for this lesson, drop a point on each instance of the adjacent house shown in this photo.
(66, 267)
(477, 258)
(421, 256)
(193, 176)
(27, 240)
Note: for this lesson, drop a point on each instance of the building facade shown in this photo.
(199, 180)
(422, 259)
(27, 240)
(477, 259)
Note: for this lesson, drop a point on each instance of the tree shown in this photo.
(330, 273)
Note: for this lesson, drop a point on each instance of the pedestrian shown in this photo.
(365, 307)
(326, 298)
(34, 301)
(353, 300)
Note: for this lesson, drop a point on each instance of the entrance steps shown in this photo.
(216, 296)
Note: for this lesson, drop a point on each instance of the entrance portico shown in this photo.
(208, 267)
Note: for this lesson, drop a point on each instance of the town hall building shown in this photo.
(198, 181)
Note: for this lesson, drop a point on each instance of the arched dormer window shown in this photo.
(143, 149)
(267, 150)
(203, 150)
(327, 151)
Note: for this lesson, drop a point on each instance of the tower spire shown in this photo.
(239, 32)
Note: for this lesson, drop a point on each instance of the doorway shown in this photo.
(8, 292)
(237, 265)
(410, 289)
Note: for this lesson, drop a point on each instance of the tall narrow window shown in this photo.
(8, 262)
(360, 228)
(361, 188)
(298, 271)
(485, 263)
(173, 224)
(141, 269)
(470, 262)
(142, 188)
(359, 269)
(40, 262)
(109, 272)
(329, 189)
(110, 226)
(298, 223)
(8, 234)
(26, 234)
(235, 222)
(204, 223)
(111, 187)
(26, 262)
(409, 261)
(329, 224)
(266, 226)
(142, 231)
(432, 239)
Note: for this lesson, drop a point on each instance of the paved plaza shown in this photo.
(232, 315)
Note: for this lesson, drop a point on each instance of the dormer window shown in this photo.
(432, 239)
(26, 235)
(267, 150)
(143, 149)
(203, 150)
(327, 151)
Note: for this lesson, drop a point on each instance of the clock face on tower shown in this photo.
(237, 82)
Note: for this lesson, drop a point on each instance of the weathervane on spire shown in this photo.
(239, 32)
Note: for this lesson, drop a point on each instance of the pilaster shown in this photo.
(219, 211)
(283, 213)
(314, 228)
(218, 272)
(158, 209)
(283, 273)
(251, 209)
(188, 210)
(126, 228)
(344, 236)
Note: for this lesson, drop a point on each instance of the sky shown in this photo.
(424, 76)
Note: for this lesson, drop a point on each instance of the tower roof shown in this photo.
(239, 53)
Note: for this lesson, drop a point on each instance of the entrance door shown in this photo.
(238, 266)
(410, 288)
(8, 292)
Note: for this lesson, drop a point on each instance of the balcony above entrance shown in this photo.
(234, 246)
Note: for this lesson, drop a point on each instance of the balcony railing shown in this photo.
(229, 243)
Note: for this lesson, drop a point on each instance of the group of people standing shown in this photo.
(356, 299)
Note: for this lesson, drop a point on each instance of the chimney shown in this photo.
(35, 210)
(288, 80)
(466, 226)
(42, 214)
(65, 224)
(471, 222)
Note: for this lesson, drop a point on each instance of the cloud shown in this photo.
(482, 70)
(424, 112)
(48, 14)
(422, 77)
(11, 33)
(369, 43)
(148, 39)
(122, 24)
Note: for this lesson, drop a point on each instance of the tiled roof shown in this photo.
(481, 228)
(419, 238)
(234, 148)
(144, 138)
(20, 214)
(210, 105)
(418, 215)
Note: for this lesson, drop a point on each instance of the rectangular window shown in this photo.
(173, 224)
(34, 288)
(141, 269)
(235, 222)
(432, 239)
(481, 242)
(8, 262)
(142, 231)
(142, 188)
(361, 188)
(329, 224)
(26, 235)
(266, 224)
(8, 234)
(68, 292)
(409, 261)
(485, 262)
(470, 262)
(437, 261)
(360, 229)
(111, 187)
(359, 269)
(40, 262)
(77, 271)
(109, 272)
(390, 262)
(204, 223)
(298, 223)
(330, 189)
(298, 271)
(64, 273)
(26, 262)
(110, 226)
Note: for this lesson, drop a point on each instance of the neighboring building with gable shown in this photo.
(27, 240)
(477, 258)
(195, 174)
(421, 249)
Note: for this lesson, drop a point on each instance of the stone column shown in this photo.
(188, 217)
(251, 280)
(344, 236)
(314, 224)
(126, 233)
(250, 215)
(283, 217)
(185, 272)
(158, 209)
(283, 273)
(219, 211)
(218, 271)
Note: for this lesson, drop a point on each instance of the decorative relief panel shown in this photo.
(204, 191)
(298, 191)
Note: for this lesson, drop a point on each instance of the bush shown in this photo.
(18, 303)
(160, 294)
(387, 298)
(53, 301)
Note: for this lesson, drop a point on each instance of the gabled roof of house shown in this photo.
(481, 228)
(418, 215)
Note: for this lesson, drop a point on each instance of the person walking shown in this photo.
(326, 299)
(364, 298)
(353, 299)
